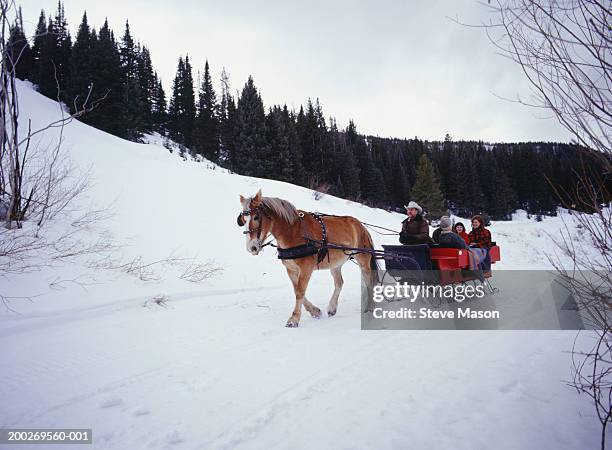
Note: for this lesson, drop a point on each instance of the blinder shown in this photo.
(249, 212)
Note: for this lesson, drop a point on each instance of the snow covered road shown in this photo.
(222, 372)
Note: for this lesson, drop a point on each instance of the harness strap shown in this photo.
(323, 249)
(300, 251)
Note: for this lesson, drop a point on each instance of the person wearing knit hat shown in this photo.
(447, 238)
(444, 222)
(415, 229)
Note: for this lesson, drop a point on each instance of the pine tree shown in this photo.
(400, 188)
(61, 53)
(252, 155)
(284, 145)
(159, 107)
(182, 111)
(106, 81)
(473, 196)
(207, 121)
(175, 111)
(81, 64)
(133, 106)
(344, 167)
(322, 144)
(52, 48)
(371, 182)
(189, 102)
(498, 192)
(19, 50)
(373, 185)
(312, 132)
(39, 38)
(291, 155)
(46, 71)
(148, 85)
(426, 190)
(227, 125)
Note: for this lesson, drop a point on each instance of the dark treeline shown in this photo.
(301, 147)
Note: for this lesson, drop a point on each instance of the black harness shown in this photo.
(300, 251)
(311, 247)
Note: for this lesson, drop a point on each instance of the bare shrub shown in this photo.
(158, 300)
(588, 277)
(319, 188)
(38, 183)
(563, 49)
(190, 269)
(197, 272)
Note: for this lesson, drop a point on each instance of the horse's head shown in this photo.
(257, 220)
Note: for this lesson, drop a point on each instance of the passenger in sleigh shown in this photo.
(460, 230)
(480, 238)
(447, 238)
(415, 229)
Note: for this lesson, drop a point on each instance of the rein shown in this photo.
(393, 232)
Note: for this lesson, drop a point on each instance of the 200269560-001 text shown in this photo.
(46, 436)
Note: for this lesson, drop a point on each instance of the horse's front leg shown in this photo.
(300, 279)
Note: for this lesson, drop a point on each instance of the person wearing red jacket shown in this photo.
(460, 230)
(481, 237)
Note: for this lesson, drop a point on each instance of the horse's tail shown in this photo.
(369, 244)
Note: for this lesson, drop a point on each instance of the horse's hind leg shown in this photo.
(338, 282)
(367, 282)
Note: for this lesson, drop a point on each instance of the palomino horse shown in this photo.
(267, 216)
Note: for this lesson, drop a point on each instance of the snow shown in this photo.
(212, 366)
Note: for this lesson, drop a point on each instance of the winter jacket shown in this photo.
(466, 237)
(448, 239)
(481, 237)
(414, 231)
(435, 236)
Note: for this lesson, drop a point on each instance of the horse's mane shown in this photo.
(280, 208)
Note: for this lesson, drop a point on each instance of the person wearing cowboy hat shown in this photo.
(415, 229)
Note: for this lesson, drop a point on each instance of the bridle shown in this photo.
(257, 214)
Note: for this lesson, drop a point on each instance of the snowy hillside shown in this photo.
(214, 367)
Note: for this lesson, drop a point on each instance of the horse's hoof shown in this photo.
(316, 314)
(292, 324)
(331, 313)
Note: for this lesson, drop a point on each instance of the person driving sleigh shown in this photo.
(415, 229)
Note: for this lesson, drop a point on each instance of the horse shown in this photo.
(302, 238)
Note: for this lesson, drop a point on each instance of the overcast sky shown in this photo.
(397, 68)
